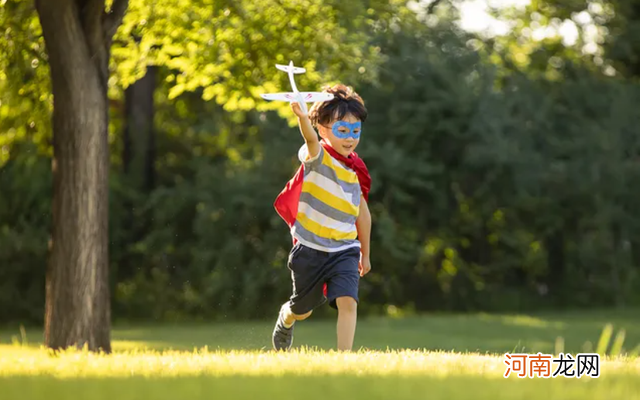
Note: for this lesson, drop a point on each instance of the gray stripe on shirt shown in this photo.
(324, 242)
(352, 188)
(326, 209)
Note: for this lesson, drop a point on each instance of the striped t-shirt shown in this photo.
(329, 204)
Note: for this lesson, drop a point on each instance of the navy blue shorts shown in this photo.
(311, 269)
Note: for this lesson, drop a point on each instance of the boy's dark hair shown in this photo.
(345, 101)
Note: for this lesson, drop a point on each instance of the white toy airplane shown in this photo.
(301, 97)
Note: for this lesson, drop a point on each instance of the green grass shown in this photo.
(462, 333)
(433, 356)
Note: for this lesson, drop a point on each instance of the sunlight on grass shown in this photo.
(522, 320)
(125, 345)
(525, 320)
(74, 363)
(19, 361)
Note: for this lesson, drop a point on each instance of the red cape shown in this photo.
(286, 203)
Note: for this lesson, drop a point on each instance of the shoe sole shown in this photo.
(282, 349)
(273, 343)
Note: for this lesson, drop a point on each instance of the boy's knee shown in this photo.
(302, 316)
(347, 304)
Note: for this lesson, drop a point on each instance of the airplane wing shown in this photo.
(312, 97)
(308, 97)
(279, 96)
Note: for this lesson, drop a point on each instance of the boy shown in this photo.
(325, 206)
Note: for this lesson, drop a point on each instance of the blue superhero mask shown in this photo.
(351, 127)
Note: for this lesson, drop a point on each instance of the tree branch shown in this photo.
(113, 19)
(90, 11)
(432, 6)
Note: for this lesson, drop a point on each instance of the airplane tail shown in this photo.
(287, 68)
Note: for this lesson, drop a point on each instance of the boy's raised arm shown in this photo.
(308, 133)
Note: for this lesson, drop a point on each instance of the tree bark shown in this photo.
(77, 304)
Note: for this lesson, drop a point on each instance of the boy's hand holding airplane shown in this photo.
(298, 102)
(297, 110)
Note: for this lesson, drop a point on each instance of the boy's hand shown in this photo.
(297, 110)
(365, 266)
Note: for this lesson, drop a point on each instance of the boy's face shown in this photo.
(343, 135)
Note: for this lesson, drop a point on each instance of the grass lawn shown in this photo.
(436, 356)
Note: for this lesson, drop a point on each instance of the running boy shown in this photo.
(325, 206)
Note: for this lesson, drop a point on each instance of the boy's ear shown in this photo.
(322, 133)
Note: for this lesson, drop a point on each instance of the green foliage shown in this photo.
(24, 223)
(25, 97)
(229, 48)
(599, 34)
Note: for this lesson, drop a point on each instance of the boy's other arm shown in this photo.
(363, 225)
(308, 133)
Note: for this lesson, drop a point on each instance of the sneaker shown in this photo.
(282, 338)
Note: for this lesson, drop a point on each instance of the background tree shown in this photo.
(78, 37)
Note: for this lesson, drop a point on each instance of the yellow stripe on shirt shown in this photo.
(323, 231)
(343, 174)
(329, 199)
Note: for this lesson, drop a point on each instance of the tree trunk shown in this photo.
(77, 305)
(618, 264)
(139, 140)
(138, 160)
(555, 245)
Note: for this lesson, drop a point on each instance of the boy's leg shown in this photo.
(342, 292)
(306, 267)
(347, 316)
(289, 318)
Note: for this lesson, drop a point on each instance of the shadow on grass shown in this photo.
(483, 333)
(317, 387)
